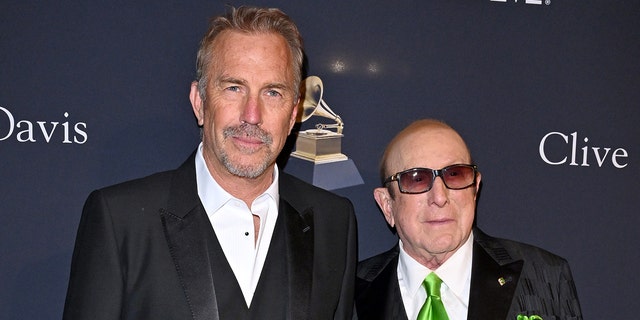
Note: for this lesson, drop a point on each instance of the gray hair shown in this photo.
(248, 19)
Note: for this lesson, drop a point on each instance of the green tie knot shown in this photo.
(432, 284)
(433, 309)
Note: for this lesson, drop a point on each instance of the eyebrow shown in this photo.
(273, 85)
(277, 85)
(230, 80)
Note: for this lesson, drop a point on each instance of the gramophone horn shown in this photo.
(313, 103)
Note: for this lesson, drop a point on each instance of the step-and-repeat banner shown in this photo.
(546, 93)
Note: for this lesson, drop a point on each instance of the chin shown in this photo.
(444, 246)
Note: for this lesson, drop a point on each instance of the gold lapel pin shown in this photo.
(502, 281)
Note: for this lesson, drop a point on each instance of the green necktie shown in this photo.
(433, 309)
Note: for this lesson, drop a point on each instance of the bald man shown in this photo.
(428, 195)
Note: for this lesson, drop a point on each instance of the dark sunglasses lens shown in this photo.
(416, 181)
(458, 176)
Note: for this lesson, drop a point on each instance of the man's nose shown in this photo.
(252, 111)
(439, 194)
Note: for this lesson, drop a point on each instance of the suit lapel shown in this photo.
(494, 278)
(188, 232)
(299, 246)
(379, 292)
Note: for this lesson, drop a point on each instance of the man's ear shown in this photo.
(383, 198)
(294, 114)
(477, 186)
(196, 103)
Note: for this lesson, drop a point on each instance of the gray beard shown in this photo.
(246, 130)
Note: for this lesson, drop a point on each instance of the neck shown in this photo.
(434, 261)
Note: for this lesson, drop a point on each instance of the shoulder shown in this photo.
(506, 249)
(371, 268)
(133, 208)
(377, 285)
(155, 188)
(128, 205)
(154, 185)
(157, 179)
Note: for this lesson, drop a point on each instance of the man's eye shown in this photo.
(233, 88)
(417, 177)
(273, 93)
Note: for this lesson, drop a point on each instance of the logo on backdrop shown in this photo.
(318, 158)
(318, 145)
(557, 148)
(39, 131)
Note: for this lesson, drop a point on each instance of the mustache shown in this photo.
(248, 130)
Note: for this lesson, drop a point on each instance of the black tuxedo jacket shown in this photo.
(141, 252)
(536, 282)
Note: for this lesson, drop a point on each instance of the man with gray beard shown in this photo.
(227, 235)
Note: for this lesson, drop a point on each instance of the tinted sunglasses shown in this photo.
(420, 180)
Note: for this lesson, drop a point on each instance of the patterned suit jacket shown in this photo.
(536, 282)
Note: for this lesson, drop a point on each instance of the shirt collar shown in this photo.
(213, 196)
(413, 272)
(458, 264)
(456, 271)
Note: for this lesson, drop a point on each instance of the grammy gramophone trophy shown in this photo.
(318, 158)
(319, 145)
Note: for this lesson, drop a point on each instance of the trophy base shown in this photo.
(320, 159)
(329, 176)
(319, 146)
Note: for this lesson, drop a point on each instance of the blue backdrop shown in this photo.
(546, 94)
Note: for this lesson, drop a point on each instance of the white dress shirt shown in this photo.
(232, 222)
(456, 281)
